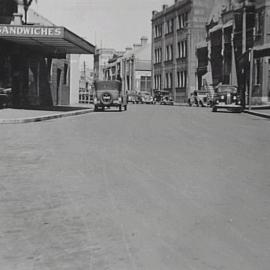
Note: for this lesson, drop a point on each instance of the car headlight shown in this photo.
(234, 97)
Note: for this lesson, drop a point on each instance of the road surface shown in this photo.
(153, 188)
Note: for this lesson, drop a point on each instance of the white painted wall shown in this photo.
(74, 78)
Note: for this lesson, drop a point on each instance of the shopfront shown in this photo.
(34, 62)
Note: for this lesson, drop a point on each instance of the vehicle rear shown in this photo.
(5, 97)
(109, 94)
(227, 97)
(147, 98)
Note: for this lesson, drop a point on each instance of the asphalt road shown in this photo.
(153, 188)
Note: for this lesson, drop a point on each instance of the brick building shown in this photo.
(176, 30)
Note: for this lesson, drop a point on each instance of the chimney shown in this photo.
(164, 7)
(17, 19)
(154, 12)
(144, 41)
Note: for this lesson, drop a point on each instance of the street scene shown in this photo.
(134, 135)
(152, 188)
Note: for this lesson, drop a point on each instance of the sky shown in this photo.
(105, 23)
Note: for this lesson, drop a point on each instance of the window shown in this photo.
(259, 24)
(169, 53)
(158, 55)
(157, 82)
(182, 20)
(145, 83)
(181, 79)
(158, 31)
(182, 49)
(168, 80)
(169, 26)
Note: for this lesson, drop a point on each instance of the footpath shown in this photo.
(37, 114)
(259, 111)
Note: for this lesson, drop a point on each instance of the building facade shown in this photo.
(133, 67)
(234, 29)
(261, 72)
(101, 59)
(35, 58)
(176, 30)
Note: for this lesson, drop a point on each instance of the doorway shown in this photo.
(59, 71)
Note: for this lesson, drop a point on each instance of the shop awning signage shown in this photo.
(50, 40)
(31, 31)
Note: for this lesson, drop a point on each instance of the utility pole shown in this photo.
(244, 29)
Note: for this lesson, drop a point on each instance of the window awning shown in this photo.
(262, 50)
(52, 40)
(216, 28)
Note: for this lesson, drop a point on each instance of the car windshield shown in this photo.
(108, 85)
(226, 89)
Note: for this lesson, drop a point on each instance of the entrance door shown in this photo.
(58, 86)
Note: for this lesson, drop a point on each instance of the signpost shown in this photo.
(251, 60)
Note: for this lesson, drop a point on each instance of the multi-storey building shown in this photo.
(101, 58)
(133, 67)
(176, 30)
(235, 28)
(261, 71)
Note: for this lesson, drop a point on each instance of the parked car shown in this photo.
(227, 97)
(166, 100)
(5, 97)
(146, 98)
(159, 94)
(133, 98)
(200, 98)
(109, 94)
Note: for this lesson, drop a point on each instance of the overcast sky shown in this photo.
(107, 23)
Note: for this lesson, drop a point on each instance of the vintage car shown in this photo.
(109, 94)
(146, 98)
(133, 98)
(166, 100)
(200, 98)
(5, 97)
(227, 97)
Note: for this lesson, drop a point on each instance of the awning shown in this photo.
(50, 40)
(228, 24)
(202, 44)
(216, 28)
(261, 50)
